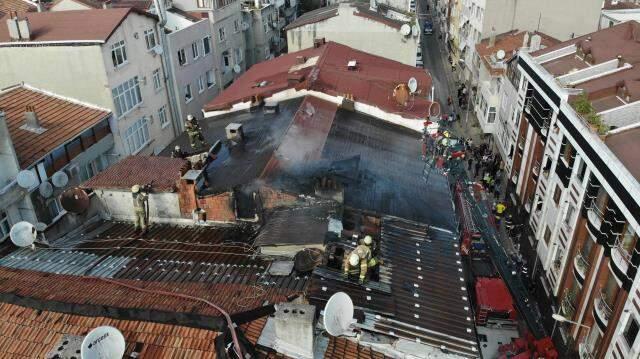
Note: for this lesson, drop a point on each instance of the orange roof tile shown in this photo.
(63, 119)
(21, 6)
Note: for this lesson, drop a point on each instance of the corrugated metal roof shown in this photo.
(428, 298)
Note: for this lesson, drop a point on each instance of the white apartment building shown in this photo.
(263, 31)
(575, 168)
(359, 27)
(48, 143)
(482, 19)
(106, 57)
(616, 12)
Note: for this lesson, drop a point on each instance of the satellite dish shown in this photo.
(405, 29)
(103, 343)
(414, 30)
(75, 200)
(500, 54)
(45, 189)
(60, 179)
(23, 234)
(237, 68)
(338, 314)
(413, 84)
(26, 179)
(41, 226)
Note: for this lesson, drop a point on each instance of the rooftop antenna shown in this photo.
(103, 343)
(413, 84)
(75, 200)
(60, 179)
(23, 234)
(26, 179)
(405, 29)
(338, 314)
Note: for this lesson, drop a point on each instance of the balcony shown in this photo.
(602, 311)
(581, 266)
(567, 306)
(521, 142)
(536, 168)
(586, 351)
(620, 259)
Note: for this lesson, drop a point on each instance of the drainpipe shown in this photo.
(168, 70)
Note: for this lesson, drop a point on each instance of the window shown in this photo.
(226, 61)
(150, 38)
(547, 235)
(188, 96)
(201, 82)
(126, 96)
(157, 81)
(94, 167)
(236, 25)
(570, 211)
(182, 57)
(5, 225)
(206, 45)
(492, 115)
(54, 208)
(266, 53)
(162, 115)
(631, 332)
(222, 34)
(238, 55)
(211, 79)
(582, 168)
(118, 54)
(266, 28)
(556, 195)
(567, 152)
(137, 135)
(201, 3)
(195, 51)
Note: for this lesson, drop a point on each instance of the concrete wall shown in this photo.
(190, 73)
(119, 204)
(359, 33)
(259, 40)
(402, 5)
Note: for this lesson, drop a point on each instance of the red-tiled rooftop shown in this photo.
(326, 71)
(63, 120)
(314, 16)
(76, 25)
(509, 42)
(626, 146)
(99, 4)
(162, 172)
(21, 6)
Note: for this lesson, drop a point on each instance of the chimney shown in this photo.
(620, 61)
(294, 329)
(318, 42)
(373, 5)
(31, 121)
(12, 24)
(23, 28)
(492, 41)
(536, 41)
(234, 132)
(40, 6)
(106, 4)
(301, 60)
(525, 39)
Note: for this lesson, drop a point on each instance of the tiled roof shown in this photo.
(79, 25)
(27, 332)
(326, 71)
(99, 4)
(426, 293)
(366, 12)
(626, 146)
(619, 5)
(509, 42)
(339, 348)
(314, 16)
(64, 119)
(21, 6)
(162, 172)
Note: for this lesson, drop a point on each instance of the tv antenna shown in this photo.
(23, 234)
(103, 343)
(338, 315)
(26, 179)
(75, 200)
(60, 179)
(413, 84)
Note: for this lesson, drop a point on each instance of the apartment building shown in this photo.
(576, 171)
(360, 27)
(225, 20)
(262, 22)
(106, 57)
(616, 12)
(48, 143)
(480, 19)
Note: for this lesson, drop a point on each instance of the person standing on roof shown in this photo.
(196, 140)
(360, 260)
(140, 202)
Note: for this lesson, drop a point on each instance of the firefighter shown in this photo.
(360, 260)
(500, 208)
(194, 132)
(140, 202)
(177, 153)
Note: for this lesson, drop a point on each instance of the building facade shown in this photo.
(108, 58)
(575, 172)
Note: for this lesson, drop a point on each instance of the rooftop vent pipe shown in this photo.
(31, 121)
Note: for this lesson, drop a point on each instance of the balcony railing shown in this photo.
(581, 264)
(536, 168)
(567, 306)
(586, 351)
(521, 142)
(621, 257)
(603, 309)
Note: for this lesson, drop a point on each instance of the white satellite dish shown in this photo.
(405, 29)
(338, 314)
(413, 84)
(103, 343)
(23, 234)
(500, 54)
(237, 68)
(26, 179)
(60, 179)
(415, 31)
(45, 189)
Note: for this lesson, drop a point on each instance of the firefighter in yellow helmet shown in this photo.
(360, 260)
(140, 200)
